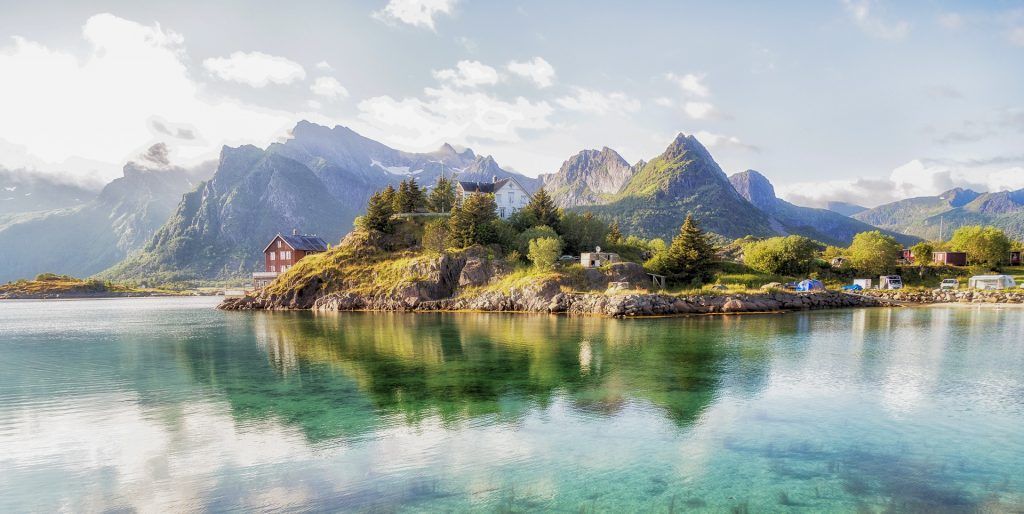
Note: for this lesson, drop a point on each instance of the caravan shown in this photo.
(991, 282)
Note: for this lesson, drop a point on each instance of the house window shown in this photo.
(511, 197)
(279, 243)
(501, 212)
(273, 256)
(273, 268)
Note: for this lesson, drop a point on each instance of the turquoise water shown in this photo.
(169, 405)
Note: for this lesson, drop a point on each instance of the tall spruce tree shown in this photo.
(543, 209)
(388, 195)
(401, 197)
(690, 256)
(470, 221)
(378, 214)
(442, 197)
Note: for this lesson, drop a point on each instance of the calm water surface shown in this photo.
(169, 405)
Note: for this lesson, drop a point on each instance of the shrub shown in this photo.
(544, 252)
(523, 240)
(874, 252)
(435, 236)
(791, 255)
(582, 232)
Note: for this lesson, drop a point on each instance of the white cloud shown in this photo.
(712, 140)
(918, 177)
(468, 74)
(692, 84)
(324, 65)
(700, 110)
(537, 70)
(860, 11)
(664, 101)
(1016, 36)
(256, 69)
(314, 104)
(951, 20)
(94, 106)
(596, 102)
(328, 87)
(418, 13)
(453, 115)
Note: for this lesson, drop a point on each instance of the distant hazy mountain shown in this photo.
(819, 224)
(589, 177)
(845, 208)
(316, 182)
(88, 238)
(23, 191)
(932, 217)
(684, 179)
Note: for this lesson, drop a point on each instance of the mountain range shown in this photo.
(88, 237)
(936, 217)
(317, 181)
(162, 223)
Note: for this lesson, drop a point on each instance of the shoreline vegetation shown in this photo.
(463, 257)
(50, 286)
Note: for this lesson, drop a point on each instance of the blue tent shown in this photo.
(810, 285)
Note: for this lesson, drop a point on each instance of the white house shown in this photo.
(509, 195)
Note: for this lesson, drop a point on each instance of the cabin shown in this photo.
(597, 258)
(283, 252)
(906, 256)
(950, 258)
(991, 282)
(1015, 258)
(509, 195)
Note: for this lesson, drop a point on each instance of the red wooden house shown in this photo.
(283, 252)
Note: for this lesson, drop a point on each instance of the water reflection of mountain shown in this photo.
(344, 375)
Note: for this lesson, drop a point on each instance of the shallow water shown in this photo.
(168, 405)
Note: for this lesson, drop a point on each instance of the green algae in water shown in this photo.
(167, 404)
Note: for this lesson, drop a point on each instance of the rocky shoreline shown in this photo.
(79, 295)
(602, 304)
(947, 296)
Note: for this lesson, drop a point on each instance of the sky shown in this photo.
(855, 100)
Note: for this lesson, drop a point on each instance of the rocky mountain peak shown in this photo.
(958, 196)
(756, 188)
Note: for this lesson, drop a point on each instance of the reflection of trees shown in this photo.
(341, 375)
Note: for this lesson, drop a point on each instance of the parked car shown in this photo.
(949, 283)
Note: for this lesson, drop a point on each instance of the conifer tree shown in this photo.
(442, 197)
(401, 198)
(388, 195)
(543, 209)
(470, 222)
(416, 199)
(378, 214)
(691, 253)
(614, 236)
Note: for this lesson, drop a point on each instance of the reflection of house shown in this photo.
(950, 258)
(509, 196)
(283, 252)
(597, 258)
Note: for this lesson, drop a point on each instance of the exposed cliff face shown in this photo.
(819, 224)
(589, 177)
(683, 180)
(317, 182)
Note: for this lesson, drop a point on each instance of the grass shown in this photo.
(50, 283)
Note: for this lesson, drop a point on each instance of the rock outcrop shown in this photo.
(947, 296)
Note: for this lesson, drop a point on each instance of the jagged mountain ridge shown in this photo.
(819, 224)
(684, 179)
(317, 182)
(589, 177)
